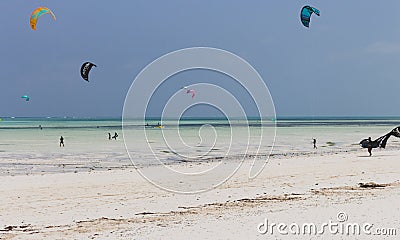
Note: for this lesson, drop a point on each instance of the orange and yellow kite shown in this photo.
(39, 12)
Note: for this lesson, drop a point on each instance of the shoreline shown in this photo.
(48, 166)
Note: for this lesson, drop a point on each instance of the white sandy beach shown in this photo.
(159, 120)
(120, 204)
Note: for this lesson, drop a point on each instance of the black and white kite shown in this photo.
(381, 141)
(85, 69)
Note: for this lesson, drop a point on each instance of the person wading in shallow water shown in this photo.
(115, 136)
(315, 143)
(370, 146)
(109, 136)
(61, 141)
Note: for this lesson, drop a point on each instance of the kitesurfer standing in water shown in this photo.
(115, 136)
(370, 146)
(61, 141)
(109, 136)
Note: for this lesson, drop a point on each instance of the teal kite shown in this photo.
(305, 15)
(26, 97)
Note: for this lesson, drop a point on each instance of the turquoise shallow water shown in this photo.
(25, 148)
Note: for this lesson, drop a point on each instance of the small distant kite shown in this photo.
(85, 69)
(305, 15)
(39, 12)
(26, 97)
(193, 92)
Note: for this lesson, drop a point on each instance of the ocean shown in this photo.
(31, 145)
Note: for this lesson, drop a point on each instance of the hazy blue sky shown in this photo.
(347, 63)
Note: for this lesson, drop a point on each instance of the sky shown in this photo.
(345, 64)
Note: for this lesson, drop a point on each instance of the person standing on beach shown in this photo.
(315, 143)
(109, 136)
(115, 136)
(61, 141)
(370, 146)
